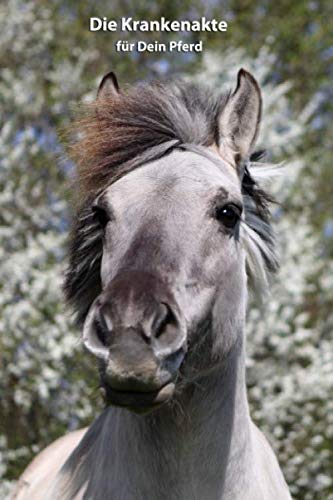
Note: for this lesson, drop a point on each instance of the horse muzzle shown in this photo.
(137, 331)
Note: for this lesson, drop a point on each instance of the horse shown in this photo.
(171, 229)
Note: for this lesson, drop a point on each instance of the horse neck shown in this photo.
(193, 449)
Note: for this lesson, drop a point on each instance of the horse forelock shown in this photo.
(120, 132)
(144, 123)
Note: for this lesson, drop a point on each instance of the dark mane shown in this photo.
(122, 132)
(140, 124)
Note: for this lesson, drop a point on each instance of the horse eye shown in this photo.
(100, 215)
(229, 215)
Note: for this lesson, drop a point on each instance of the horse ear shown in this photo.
(108, 87)
(240, 118)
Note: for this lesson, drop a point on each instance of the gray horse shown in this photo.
(171, 226)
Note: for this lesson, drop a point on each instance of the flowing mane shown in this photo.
(122, 131)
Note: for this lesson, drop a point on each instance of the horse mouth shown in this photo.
(139, 401)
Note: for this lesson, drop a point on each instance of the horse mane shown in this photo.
(130, 128)
(123, 131)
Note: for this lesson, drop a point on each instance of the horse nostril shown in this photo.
(165, 318)
(102, 327)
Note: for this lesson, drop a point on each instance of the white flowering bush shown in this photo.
(44, 384)
(47, 384)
